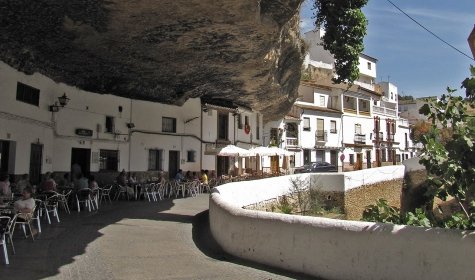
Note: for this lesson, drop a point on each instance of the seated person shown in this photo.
(49, 184)
(122, 178)
(5, 189)
(179, 176)
(93, 184)
(204, 177)
(25, 206)
(81, 182)
(65, 182)
(23, 183)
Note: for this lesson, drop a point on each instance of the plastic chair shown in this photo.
(24, 219)
(51, 206)
(120, 191)
(63, 199)
(84, 196)
(105, 193)
(4, 224)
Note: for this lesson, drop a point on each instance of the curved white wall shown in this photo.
(333, 249)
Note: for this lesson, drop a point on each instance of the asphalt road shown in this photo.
(131, 240)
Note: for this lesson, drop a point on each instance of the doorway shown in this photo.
(82, 158)
(334, 158)
(368, 159)
(173, 163)
(4, 156)
(36, 158)
(359, 161)
(222, 165)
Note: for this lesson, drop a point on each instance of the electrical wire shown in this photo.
(426, 29)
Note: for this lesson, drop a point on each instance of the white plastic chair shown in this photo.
(4, 223)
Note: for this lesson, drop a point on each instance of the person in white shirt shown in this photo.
(26, 203)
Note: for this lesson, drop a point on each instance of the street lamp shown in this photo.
(63, 101)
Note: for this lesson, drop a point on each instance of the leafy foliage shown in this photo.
(345, 28)
(449, 160)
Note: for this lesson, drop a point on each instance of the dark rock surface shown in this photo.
(247, 51)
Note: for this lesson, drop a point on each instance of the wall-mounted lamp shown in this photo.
(130, 125)
(63, 101)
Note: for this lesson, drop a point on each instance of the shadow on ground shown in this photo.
(205, 242)
(59, 243)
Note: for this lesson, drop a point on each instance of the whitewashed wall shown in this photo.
(334, 249)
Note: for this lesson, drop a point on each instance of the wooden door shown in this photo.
(173, 163)
(36, 159)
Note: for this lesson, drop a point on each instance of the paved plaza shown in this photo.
(131, 240)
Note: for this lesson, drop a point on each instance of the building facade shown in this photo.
(352, 127)
(104, 133)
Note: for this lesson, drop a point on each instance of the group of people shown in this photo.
(190, 176)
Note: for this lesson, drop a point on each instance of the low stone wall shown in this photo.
(334, 249)
(357, 199)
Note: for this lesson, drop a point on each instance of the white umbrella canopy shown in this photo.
(263, 151)
(234, 151)
(270, 151)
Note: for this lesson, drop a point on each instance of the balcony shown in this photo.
(360, 138)
(321, 136)
(384, 111)
(292, 142)
(390, 138)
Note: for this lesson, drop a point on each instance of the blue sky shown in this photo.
(418, 63)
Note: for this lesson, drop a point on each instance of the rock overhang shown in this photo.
(246, 51)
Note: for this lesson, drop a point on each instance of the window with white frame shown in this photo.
(109, 160)
(322, 101)
(306, 124)
(27, 94)
(190, 156)
(109, 124)
(332, 126)
(154, 159)
(168, 124)
(357, 128)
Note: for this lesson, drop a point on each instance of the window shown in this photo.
(109, 124)
(320, 155)
(306, 124)
(306, 156)
(383, 155)
(320, 133)
(369, 65)
(168, 124)
(322, 101)
(392, 96)
(357, 128)
(352, 159)
(375, 102)
(246, 120)
(27, 94)
(190, 156)
(257, 127)
(223, 126)
(109, 160)
(332, 126)
(154, 159)
(239, 121)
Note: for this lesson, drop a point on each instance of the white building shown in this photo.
(351, 127)
(105, 133)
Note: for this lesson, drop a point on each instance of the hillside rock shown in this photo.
(166, 51)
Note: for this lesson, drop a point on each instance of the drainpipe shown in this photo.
(130, 135)
(201, 137)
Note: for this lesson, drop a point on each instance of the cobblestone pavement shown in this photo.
(131, 240)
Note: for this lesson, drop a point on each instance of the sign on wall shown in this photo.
(84, 132)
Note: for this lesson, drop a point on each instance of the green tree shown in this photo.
(345, 28)
(450, 165)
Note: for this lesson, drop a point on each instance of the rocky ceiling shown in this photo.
(247, 51)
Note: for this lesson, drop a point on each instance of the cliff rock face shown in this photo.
(247, 51)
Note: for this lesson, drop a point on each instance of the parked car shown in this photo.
(315, 167)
